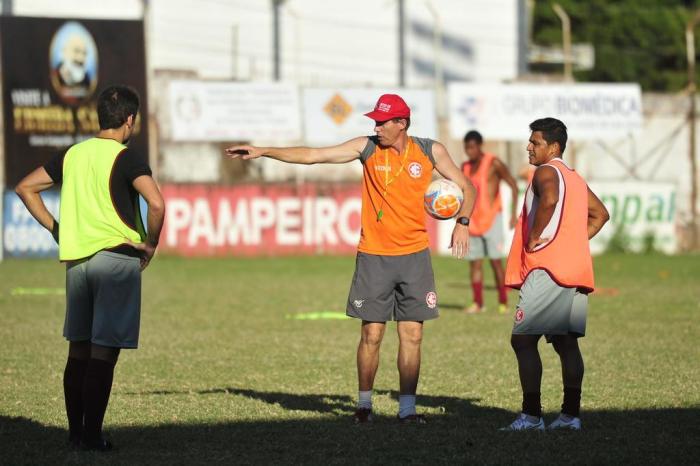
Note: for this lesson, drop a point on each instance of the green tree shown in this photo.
(635, 40)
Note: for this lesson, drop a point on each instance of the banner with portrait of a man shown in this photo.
(52, 72)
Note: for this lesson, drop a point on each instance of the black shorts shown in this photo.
(388, 288)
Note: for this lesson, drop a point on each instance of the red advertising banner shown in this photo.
(262, 219)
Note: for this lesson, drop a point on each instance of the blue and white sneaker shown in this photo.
(525, 422)
(565, 422)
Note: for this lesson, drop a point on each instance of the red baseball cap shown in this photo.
(389, 106)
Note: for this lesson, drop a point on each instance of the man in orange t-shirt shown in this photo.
(393, 277)
(486, 171)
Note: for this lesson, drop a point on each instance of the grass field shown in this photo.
(223, 376)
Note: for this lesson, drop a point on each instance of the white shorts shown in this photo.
(545, 308)
(490, 244)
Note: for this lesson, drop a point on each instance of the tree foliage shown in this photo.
(634, 40)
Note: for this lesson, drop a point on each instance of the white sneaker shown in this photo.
(525, 422)
(565, 422)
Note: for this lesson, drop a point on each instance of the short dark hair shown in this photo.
(553, 130)
(408, 121)
(115, 104)
(473, 136)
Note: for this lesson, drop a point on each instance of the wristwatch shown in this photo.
(463, 221)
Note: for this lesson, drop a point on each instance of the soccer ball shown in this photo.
(443, 199)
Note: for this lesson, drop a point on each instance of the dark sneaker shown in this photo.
(101, 445)
(362, 416)
(413, 419)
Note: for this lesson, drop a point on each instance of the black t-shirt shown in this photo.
(128, 166)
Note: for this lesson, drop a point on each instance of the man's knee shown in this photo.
(372, 334)
(79, 350)
(104, 353)
(410, 333)
(564, 344)
(523, 342)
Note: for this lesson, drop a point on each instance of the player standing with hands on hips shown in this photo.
(550, 263)
(104, 246)
(393, 276)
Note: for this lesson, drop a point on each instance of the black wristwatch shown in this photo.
(463, 221)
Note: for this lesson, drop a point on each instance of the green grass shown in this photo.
(223, 377)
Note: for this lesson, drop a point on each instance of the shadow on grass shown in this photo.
(324, 434)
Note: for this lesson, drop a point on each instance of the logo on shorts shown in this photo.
(431, 299)
(415, 169)
(519, 315)
(358, 303)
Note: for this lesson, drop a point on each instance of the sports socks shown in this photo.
(364, 399)
(407, 405)
(502, 295)
(572, 401)
(96, 390)
(73, 378)
(478, 293)
(532, 405)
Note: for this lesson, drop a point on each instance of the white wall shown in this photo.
(329, 43)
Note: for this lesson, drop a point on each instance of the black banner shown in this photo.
(52, 72)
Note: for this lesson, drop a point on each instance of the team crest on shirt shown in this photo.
(431, 299)
(415, 170)
(519, 315)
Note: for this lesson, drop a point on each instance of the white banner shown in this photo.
(332, 116)
(505, 111)
(639, 212)
(232, 111)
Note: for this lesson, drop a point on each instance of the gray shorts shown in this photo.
(103, 300)
(388, 288)
(490, 245)
(546, 308)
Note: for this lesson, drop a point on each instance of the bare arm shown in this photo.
(28, 190)
(597, 214)
(146, 186)
(447, 168)
(504, 174)
(342, 153)
(545, 185)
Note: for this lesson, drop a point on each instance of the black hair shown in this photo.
(553, 130)
(473, 136)
(115, 104)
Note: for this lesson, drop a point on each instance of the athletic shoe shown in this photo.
(502, 309)
(412, 419)
(565, 422)
(101, 445)
(525, 422)
(363, 416)
(474, 308)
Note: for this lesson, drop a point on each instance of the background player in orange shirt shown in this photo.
(393, 277)
(486, 172)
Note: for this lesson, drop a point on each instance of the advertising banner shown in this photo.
(232, 111)
(262, 220)
(52, 72)
(639, 212)
(332, 116)
(504, 111)
(22, 235)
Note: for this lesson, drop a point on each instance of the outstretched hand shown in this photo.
(244, 152)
